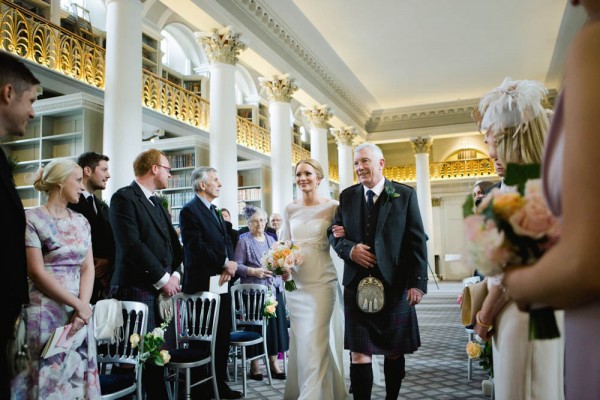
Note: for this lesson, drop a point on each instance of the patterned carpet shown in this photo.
(437, 371)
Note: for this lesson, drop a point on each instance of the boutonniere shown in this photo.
(219, 213)
(391, 193)
(102, 203)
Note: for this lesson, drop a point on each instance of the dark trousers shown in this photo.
(222, 342)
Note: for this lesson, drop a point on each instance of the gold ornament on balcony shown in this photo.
(318, 116)
(279, 88)
(221, 45)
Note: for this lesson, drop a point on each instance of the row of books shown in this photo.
(182, 160)
(249, 194)
(179, 199)
(180, 180)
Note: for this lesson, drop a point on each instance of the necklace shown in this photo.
(54, 217)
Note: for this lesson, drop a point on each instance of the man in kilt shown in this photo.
(378, 232)
(148, 253)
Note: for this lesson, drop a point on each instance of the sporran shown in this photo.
(370, 295)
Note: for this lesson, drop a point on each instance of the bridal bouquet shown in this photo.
(281, 258)
(512, 229)
(153, 341)
(270, 308)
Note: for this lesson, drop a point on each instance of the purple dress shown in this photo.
(64, 244)
(582, 352)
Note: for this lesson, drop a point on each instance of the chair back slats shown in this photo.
(248, 302)
(196, 316)
(134, 321)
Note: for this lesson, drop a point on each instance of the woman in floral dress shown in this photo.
(61, 276)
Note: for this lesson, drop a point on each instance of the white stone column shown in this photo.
(345, 138)
(279, 90)
(222, 48)
(421, 146)
(55, 12)
(122, 139)
(318, 116)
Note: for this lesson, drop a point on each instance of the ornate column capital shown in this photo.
(345, 135)
(318, 115)
(221, 45)
(436, 201)
(279, 87)
(421, 144)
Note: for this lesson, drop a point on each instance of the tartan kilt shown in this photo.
(148, 297)
(392, 332)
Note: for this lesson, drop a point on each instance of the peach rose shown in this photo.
(165, 356)
(134, 339)
(271, 308)
(534, 220)
(474, 350)
(506, 204)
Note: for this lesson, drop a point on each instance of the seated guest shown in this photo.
(248, 254)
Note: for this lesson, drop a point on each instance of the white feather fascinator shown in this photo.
(513, 104)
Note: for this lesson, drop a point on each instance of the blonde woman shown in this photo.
(315, 363)
(515, 126)
(60, 267)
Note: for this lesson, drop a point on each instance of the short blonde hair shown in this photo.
(313, 163)
(145, 160)
(524, 144)
(53, 174)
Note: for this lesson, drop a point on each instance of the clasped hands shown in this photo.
(81, 317)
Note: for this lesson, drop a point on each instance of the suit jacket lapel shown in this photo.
(206, 213)
(148, 206)
(6, 177)
(385, 207)
(356, 203)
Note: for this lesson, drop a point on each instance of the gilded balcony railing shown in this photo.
(26, 34)
(444, 170)
(253, 136)
(34, 38)
(167, 98)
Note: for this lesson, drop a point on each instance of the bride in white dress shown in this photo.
(316, 340)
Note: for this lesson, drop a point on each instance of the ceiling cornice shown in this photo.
(275, 32)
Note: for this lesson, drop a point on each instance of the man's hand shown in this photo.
(414, 296)
(171, 288)
(361, 255)
(338, 231)
(225, 277)
(101, 267)
(230, 268)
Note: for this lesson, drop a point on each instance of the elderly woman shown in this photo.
(248, 254)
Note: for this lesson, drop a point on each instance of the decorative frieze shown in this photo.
(279, 88)
(221, 45)
(318, 116)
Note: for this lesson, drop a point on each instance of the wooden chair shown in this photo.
(247, 303)
(196, 321)
(115, 386)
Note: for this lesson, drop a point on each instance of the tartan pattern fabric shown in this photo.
(392, 331)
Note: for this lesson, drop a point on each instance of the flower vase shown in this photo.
(487, 387)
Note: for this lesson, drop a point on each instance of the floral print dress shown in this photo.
(73, 375)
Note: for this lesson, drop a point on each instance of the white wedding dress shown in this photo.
(315, 369)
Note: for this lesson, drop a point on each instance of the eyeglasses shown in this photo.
(257, 221)
(167, 168)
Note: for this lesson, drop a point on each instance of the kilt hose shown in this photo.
(392, 332)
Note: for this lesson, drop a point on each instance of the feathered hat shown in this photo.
(248, 211)
(513, 104)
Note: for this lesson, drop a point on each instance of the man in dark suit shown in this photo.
(18, 91)
(378, 232)
(148, 253)
(208, 252)
(95, 176)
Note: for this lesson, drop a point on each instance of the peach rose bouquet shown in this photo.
(153, 342)
(281, 258)
(513, 229)
(270, 306)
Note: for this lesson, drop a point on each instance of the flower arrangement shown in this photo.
(153, 341)
(270, 308)
(482, 351)
(513, 229)
(281, 258)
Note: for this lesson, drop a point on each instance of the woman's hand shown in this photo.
(261, 273)
(77, 324)
(338, 231)
(83, 312)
